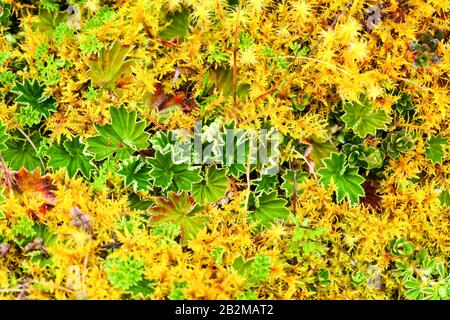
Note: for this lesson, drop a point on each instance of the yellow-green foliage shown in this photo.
(300, 65)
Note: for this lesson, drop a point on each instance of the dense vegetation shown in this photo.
(114, 118)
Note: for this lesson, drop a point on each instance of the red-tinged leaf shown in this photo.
(32, 184)
(179, 209)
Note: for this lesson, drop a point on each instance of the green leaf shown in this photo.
(111, 65)
(144, 287)
(212, 188)
(269, 208)
(48, 21)
(179, 209)
(3, 137)
(72, 155)
(5, 11)
(434, 150)
(412, 283)
(444, 198)
(360, 117)
(178, 27)
(288, 181)
(162, 141)
(161, 169)
(136, 173)
(32, 94)
(166, 173)
(137, 203)
(184, 176)
(321, 150)
(121, 138)
(346, 179)
(20, 153)
(265, 183)
(413, 294)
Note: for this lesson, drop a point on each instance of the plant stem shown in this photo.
(235, 49)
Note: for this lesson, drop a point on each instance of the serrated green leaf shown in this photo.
(212, 188)
(236, 170)
(265, 183)
(72, 155)
(144, 287)
(346, 179)
(179, 209)
(360, 117)
(161, 173)
(111, 65)
(20, 153)
(32, 94)
(184, 176)
(288, 181)
(136, 173)
(168, 174)
(269, 208)
(434, 150)
(121, 138)
(161, 141)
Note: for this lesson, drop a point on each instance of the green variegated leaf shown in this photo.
(347, 181)
(72, 155)
(212, 188)
(121, 138)
(162, 141)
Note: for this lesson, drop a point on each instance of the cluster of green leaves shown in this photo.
(423, 277)
(35, 103)
(306, 242)
(127, 273)
(425, 49)
(255, 270)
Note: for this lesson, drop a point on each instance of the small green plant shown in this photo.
(397, 143)
(345, 177)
